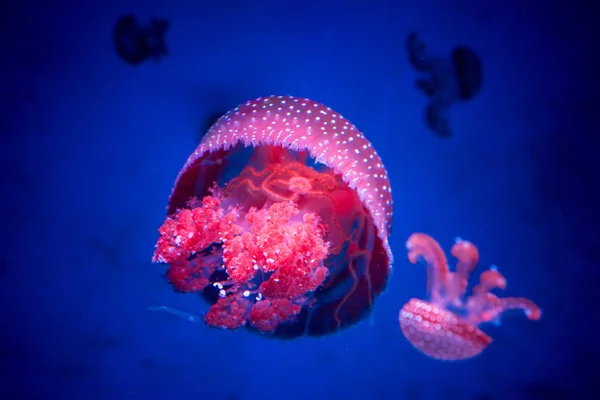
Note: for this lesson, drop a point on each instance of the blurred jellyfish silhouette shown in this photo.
(136, 43)
(446, 80)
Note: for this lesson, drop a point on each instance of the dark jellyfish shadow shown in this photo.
(446, 81)
(135, 43)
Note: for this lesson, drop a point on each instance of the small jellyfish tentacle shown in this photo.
(482, 305)
(424, 247)
(488, 281)
(173, 311)
(467, 256)
(482, 308)
(489, 308)
(531, 310)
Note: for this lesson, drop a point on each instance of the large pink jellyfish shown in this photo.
(280, 219)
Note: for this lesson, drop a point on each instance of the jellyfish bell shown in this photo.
(468, 71)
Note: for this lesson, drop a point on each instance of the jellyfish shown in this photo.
(446, 326)
(279, 220)
(446, 81)
(136, 43)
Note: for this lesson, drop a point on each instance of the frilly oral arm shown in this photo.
(189, 231)
(291, 252)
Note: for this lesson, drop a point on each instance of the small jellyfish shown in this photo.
(446, 81)
(136, 43)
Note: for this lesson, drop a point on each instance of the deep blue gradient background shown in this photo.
(90, 148)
